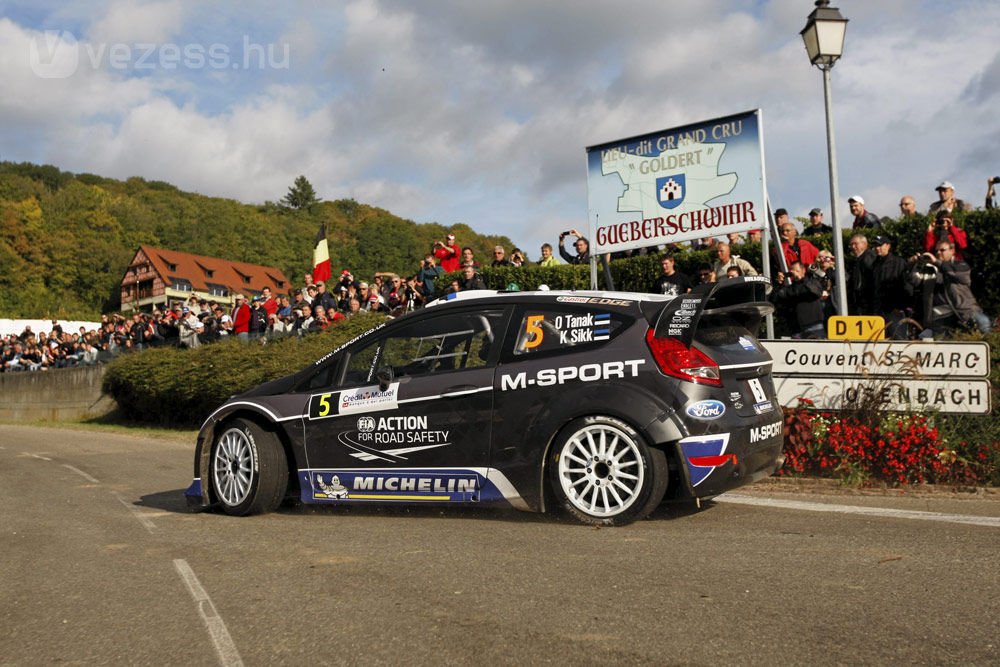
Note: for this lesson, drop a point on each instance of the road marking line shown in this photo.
(737, 499)
(37, 456)
(79, 472)
(224, 646)
(142, 518)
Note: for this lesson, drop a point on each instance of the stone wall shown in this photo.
(62, 394)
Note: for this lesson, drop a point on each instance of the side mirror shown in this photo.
(385, 377)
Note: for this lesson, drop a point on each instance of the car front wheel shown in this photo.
(249, 470)
(603, 472)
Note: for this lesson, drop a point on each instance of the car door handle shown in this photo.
(459, 390)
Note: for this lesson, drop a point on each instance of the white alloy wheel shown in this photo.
(604, 473)
(233, 467)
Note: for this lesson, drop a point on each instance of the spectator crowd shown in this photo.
(924, 295)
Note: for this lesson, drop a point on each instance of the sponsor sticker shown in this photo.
(413, 485)
(763, 407)
(585, 373)
(392, 439)
(706, 410)
(353, 401)
(765, 432)
(598, 301)
(747, 344)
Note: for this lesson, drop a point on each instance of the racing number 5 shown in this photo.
(534, 331)
(324, 405)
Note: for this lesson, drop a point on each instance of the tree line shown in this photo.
(66, 239)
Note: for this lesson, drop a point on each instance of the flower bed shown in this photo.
(888, 449)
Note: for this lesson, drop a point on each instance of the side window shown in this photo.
(551, 329)
(361, 364)
(448, 342)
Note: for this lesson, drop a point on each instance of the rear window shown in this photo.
(548, 330)
(725, 332)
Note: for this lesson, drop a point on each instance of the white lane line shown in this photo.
(79, 472)
(37, 456)
(142, 518)
(224, 646)
(737, 499)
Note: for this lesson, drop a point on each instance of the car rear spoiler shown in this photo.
(744, 298)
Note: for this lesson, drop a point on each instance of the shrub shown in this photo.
(173, 386)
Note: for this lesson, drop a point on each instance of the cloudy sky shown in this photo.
(479, 112)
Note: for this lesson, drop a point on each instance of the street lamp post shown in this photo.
(824, 40)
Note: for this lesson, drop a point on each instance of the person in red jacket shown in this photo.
(795, 249)
(943, 229)
(270, 303)
(241, 318)
(448, 254)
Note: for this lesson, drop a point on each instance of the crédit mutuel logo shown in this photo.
(57, 54)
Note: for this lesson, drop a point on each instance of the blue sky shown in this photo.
(479, 112)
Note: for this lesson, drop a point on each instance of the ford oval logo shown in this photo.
(706, 410)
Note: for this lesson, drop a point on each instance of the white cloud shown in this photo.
(132, 21)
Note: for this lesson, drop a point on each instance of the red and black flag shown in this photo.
(321, 257)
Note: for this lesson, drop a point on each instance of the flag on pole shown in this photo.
(321, 257)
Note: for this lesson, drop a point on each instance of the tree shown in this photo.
(301, 195)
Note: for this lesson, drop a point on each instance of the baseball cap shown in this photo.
(451, 237)
(856, 199)
(185, 309)
(240, 297)
(881, 239)
(780, 212)
(816, 211)
(945, 185)
(345, 272)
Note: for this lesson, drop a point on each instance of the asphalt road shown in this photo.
(102, 564)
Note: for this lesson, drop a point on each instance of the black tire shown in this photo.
(603, 472)
(247, 470)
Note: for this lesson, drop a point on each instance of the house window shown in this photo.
(217, 290)
(180, 284)
(209, 273)
(171, 267)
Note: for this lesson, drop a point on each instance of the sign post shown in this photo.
(680, 184)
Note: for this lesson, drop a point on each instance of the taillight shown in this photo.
(679, 361)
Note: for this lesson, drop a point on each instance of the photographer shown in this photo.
(581, 244)
(943, 230)
(429, 270)
(448, 253)
(990, 192)
(800, 294)
(943, 288)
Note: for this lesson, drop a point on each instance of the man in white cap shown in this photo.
(863, 219)
(947, 201)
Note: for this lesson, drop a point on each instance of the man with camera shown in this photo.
(943, 230)
(990, 193)
(429, 270)
(581, 244)
(448, 254)
(943, 287)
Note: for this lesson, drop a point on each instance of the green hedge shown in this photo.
(174, 386)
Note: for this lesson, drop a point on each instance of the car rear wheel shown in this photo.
(249, 470)
(603, 472)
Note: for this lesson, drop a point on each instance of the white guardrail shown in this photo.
(949, 377)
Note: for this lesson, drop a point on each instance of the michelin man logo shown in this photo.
(366, 424)
(670, 190)
(334, 489)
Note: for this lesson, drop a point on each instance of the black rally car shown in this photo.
(603, 403)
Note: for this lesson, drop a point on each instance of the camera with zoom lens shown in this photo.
(995, 180)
